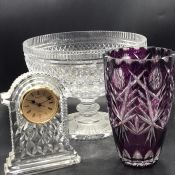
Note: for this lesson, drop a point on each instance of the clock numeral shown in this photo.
(28, 111)
(51, 102)
(38, 93)
(33, 115)
(49, 108)
(49, 97)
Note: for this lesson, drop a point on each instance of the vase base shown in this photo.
(139, 163)
(89, 128)
(42, 164)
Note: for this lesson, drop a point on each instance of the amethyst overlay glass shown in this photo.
(139, 90)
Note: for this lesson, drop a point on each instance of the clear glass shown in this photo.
(139, 90)
(75, 58)
(37, 148)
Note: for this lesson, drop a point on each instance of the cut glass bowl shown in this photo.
(75, 58)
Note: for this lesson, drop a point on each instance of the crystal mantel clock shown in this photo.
(38, 125)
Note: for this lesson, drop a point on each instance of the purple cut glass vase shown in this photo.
(139, 89)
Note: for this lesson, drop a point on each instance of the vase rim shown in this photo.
(139, 54)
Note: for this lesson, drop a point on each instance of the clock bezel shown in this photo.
(56, 96)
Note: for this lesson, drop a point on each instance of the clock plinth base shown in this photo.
(41, 164)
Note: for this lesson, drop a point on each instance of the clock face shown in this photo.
(39, 105)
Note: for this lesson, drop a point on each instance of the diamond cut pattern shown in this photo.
(136, 106)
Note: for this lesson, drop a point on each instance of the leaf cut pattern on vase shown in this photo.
(139, 96)
(155, 79)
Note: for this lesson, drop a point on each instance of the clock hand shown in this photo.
(29, 100)
(32, 101)
(40, 104)
(45, 101)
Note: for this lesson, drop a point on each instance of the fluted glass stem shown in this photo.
(88, 109)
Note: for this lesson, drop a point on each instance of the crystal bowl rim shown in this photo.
(106, 55)
(28, 44)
